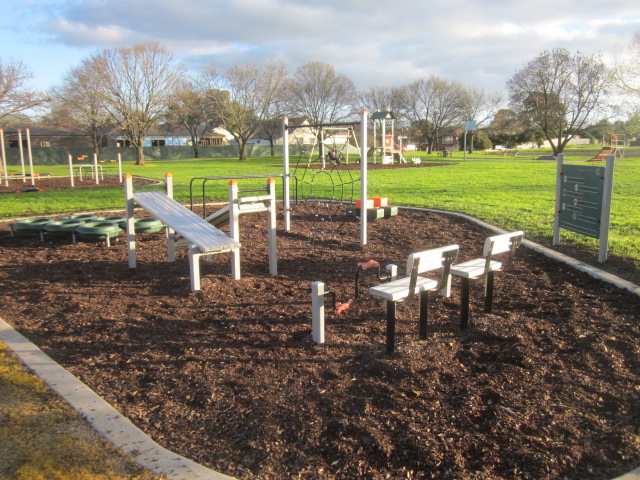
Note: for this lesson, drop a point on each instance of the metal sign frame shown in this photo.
(583, 201)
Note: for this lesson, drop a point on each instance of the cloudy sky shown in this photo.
(374, 42)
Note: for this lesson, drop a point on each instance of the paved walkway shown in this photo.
(137, 445)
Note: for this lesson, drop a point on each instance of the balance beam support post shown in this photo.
(273, 248)
(131, 238)
(234, 227)
(317, 311)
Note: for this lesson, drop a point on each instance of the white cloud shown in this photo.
(372, 41)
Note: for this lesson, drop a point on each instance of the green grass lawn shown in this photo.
(509, 193)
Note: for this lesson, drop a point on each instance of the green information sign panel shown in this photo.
(581, 199)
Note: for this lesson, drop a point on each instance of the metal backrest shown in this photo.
(497, 244)
(429, 260)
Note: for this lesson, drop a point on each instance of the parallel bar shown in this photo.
(317, 125)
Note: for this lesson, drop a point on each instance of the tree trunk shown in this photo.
(273, 150)
(140, 159)
(96, 142)
(196, 152)
(242, 147)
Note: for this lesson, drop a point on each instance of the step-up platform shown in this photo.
(376, 207)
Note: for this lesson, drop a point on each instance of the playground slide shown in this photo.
(602, 155)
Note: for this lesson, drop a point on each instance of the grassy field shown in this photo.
(512, 193)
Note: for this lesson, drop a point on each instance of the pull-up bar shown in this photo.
(320, 125)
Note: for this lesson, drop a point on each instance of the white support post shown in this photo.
(317, 311)
(363, 177)
(383, 148)
(605, 217)
(234, 227)
(119, 167)
(194, 267)
(392, 272)
(171, 238)
(286, 201)
(375, 153)
(131, 236)
(273, 247)
(95, 167)
(21, 149)
(71, 170)
(4, 158)
(321, 149)
(556, 217)
(33, 177)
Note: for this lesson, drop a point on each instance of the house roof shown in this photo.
(37, 131)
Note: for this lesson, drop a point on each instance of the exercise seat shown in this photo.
(479, 268)
(404, 289)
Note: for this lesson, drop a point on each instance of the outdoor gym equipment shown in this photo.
(318, 295)
(230, 214)
(404, 289)
(321, 190)
(200, 237)
(485, 267)
(143, 225)
(286, 128)
(61, 228)
(97, 231)
(30, 226)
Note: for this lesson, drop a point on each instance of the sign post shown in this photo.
(468, 125)
(583, 201)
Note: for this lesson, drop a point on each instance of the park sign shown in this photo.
(583, 201)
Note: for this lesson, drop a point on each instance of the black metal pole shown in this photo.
(488, 293)
(424, 314)
(391, 326)
(464, 304)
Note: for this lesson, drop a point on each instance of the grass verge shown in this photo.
(43, 438)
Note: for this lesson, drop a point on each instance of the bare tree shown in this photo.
(627, 67)
(381, 99)
(76, 104)
(481, 107)
(433, 105)
(557, 92)
(135, 85)
(15, 96)
(320, 94)
(253, 89)
(194, 106)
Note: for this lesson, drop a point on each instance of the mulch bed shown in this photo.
(545, 387)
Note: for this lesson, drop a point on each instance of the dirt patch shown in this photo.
(545, 387)
(47, 183)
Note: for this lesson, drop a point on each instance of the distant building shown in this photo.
(47, 137)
